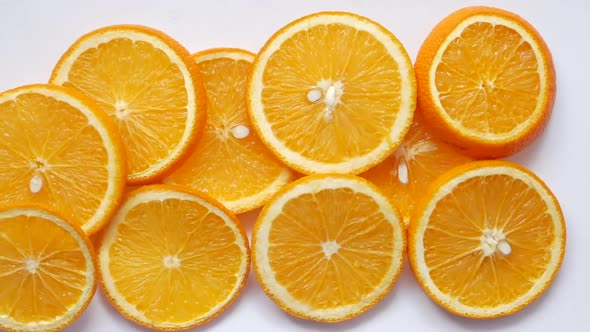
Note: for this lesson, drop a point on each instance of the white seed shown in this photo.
(314, 95)
(240, 131)
(402, 172)
(331, 96)
(504, 247)
(36, 183)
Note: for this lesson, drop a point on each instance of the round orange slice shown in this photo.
(148, 84)
(406, 173)
(230, 162)
(58, 148)
(171, 259)
(486, 81)
(487, 240)
(332, 92)
(47, 270)
(328, 247)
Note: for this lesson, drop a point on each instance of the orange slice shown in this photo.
(59, 149)
(488, 239)
(486, 81)
(328, 247)
(171, 259)
(332, 92)
(405, 174)
(148, 84)
(230, 162)
(47, 270)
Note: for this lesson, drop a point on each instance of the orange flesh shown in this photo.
(452, 240)
(159, 232)
(355, 223)
(368, 105)
(59, 278)
(52, 139)
(424, 157)
(229, 168)
(488, 79)
(140, 88)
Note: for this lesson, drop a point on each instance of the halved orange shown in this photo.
(487, 240)
(328, 247)
(486, 81)
(58, 148)
(172, 259)
(332, 92)
(406, 173)
(230, 162)
(47, 269)
(148, 84)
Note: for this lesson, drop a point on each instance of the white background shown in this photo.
(33, 35)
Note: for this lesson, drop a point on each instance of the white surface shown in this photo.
(33, 35)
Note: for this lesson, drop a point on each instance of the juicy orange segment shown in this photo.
(59, 149)
(190, 256)
(46, 270)
(488, 239)
(328, 247)
(148, 84)
(230, 162)
(405, 174)
(487, 79)
(513, 81)
(332, 92)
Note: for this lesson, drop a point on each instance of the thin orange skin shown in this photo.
(420, 209)
(80, 232)
(210, 200)
(200, 92)
(222, 49)
(268, 43)
(114, 137)
(475, 147)
(275, 298)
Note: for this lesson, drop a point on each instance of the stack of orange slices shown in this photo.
(159, 150)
